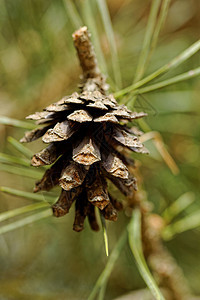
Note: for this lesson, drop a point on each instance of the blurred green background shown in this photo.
(38, 65)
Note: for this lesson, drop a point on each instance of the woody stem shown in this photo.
(86, 53)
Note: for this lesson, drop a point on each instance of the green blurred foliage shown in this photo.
(38, 65)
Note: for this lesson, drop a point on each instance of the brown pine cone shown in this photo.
(84, 132)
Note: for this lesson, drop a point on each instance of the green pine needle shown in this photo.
(28, 195)
(178, 206)
(178, 60)
(111, 40)
(9, 159)
(160, 22)
(18, 146)
(73, 14)
(182, 77)
(134, 230)
(22, 210)
(21, 171)
(147, 40)
(187, 223)
(16, 123)
(105, 235)
(103, 278)
(26, 221)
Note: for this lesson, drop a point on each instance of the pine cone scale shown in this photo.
(72, 176)
(87, 152)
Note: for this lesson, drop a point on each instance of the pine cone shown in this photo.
(84, 132)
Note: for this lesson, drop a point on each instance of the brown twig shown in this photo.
(86, 53)
(169, 275)
(93, 80)
(164, 267)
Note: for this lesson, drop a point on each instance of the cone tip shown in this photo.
(80, 32)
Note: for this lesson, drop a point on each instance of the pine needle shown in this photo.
(22, 210)
(73, 14)
(187, 223)
(178, 206)
(26, 221)
(178, 60)
(105, 235)
(160, 22)
(147, 40)
(28, 195)
(18, 146)
(103, 278)
(134, 230)
(182, 77)
(9, 159)
(16, 123)
(111, 40)
(21, 171)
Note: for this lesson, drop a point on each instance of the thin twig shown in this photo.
(86, 53)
